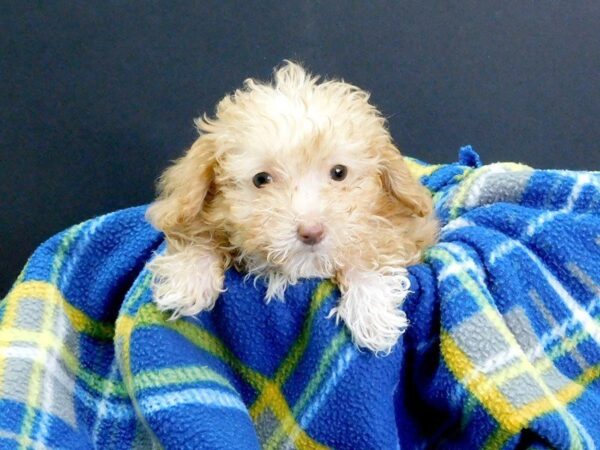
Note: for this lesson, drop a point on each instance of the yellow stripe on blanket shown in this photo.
(488, 395)
(271, 398)
(47, 292)
(418, 170)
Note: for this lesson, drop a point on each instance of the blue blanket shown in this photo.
(503, 350)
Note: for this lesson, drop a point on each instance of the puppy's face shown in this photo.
(296, 191)
(295, 176)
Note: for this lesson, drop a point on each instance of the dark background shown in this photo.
(96, 97)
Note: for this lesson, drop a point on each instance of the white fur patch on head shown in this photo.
(370, 308)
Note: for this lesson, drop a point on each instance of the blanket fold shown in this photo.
(503, 350)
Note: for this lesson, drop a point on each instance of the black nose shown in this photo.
(311, 234)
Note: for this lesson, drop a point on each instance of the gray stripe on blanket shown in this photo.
(495, 187)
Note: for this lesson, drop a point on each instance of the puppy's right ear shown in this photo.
(398, 181)
(183, 189)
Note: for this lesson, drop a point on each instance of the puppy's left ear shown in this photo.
(400, 184)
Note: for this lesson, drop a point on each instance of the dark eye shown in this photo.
(261, 178)
(338, 172)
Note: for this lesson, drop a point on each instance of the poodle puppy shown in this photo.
(290, 179)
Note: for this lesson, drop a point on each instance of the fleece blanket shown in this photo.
(503, 350)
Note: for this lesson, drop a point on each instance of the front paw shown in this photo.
(370, 308)
(185, 282)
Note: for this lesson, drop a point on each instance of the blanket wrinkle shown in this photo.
(502, 351)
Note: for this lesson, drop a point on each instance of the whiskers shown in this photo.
(284, 262)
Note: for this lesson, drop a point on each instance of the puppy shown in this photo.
(291, 179)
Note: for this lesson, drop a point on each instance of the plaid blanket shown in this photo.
(503, 350)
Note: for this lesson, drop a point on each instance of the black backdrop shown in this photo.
(97, 96)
